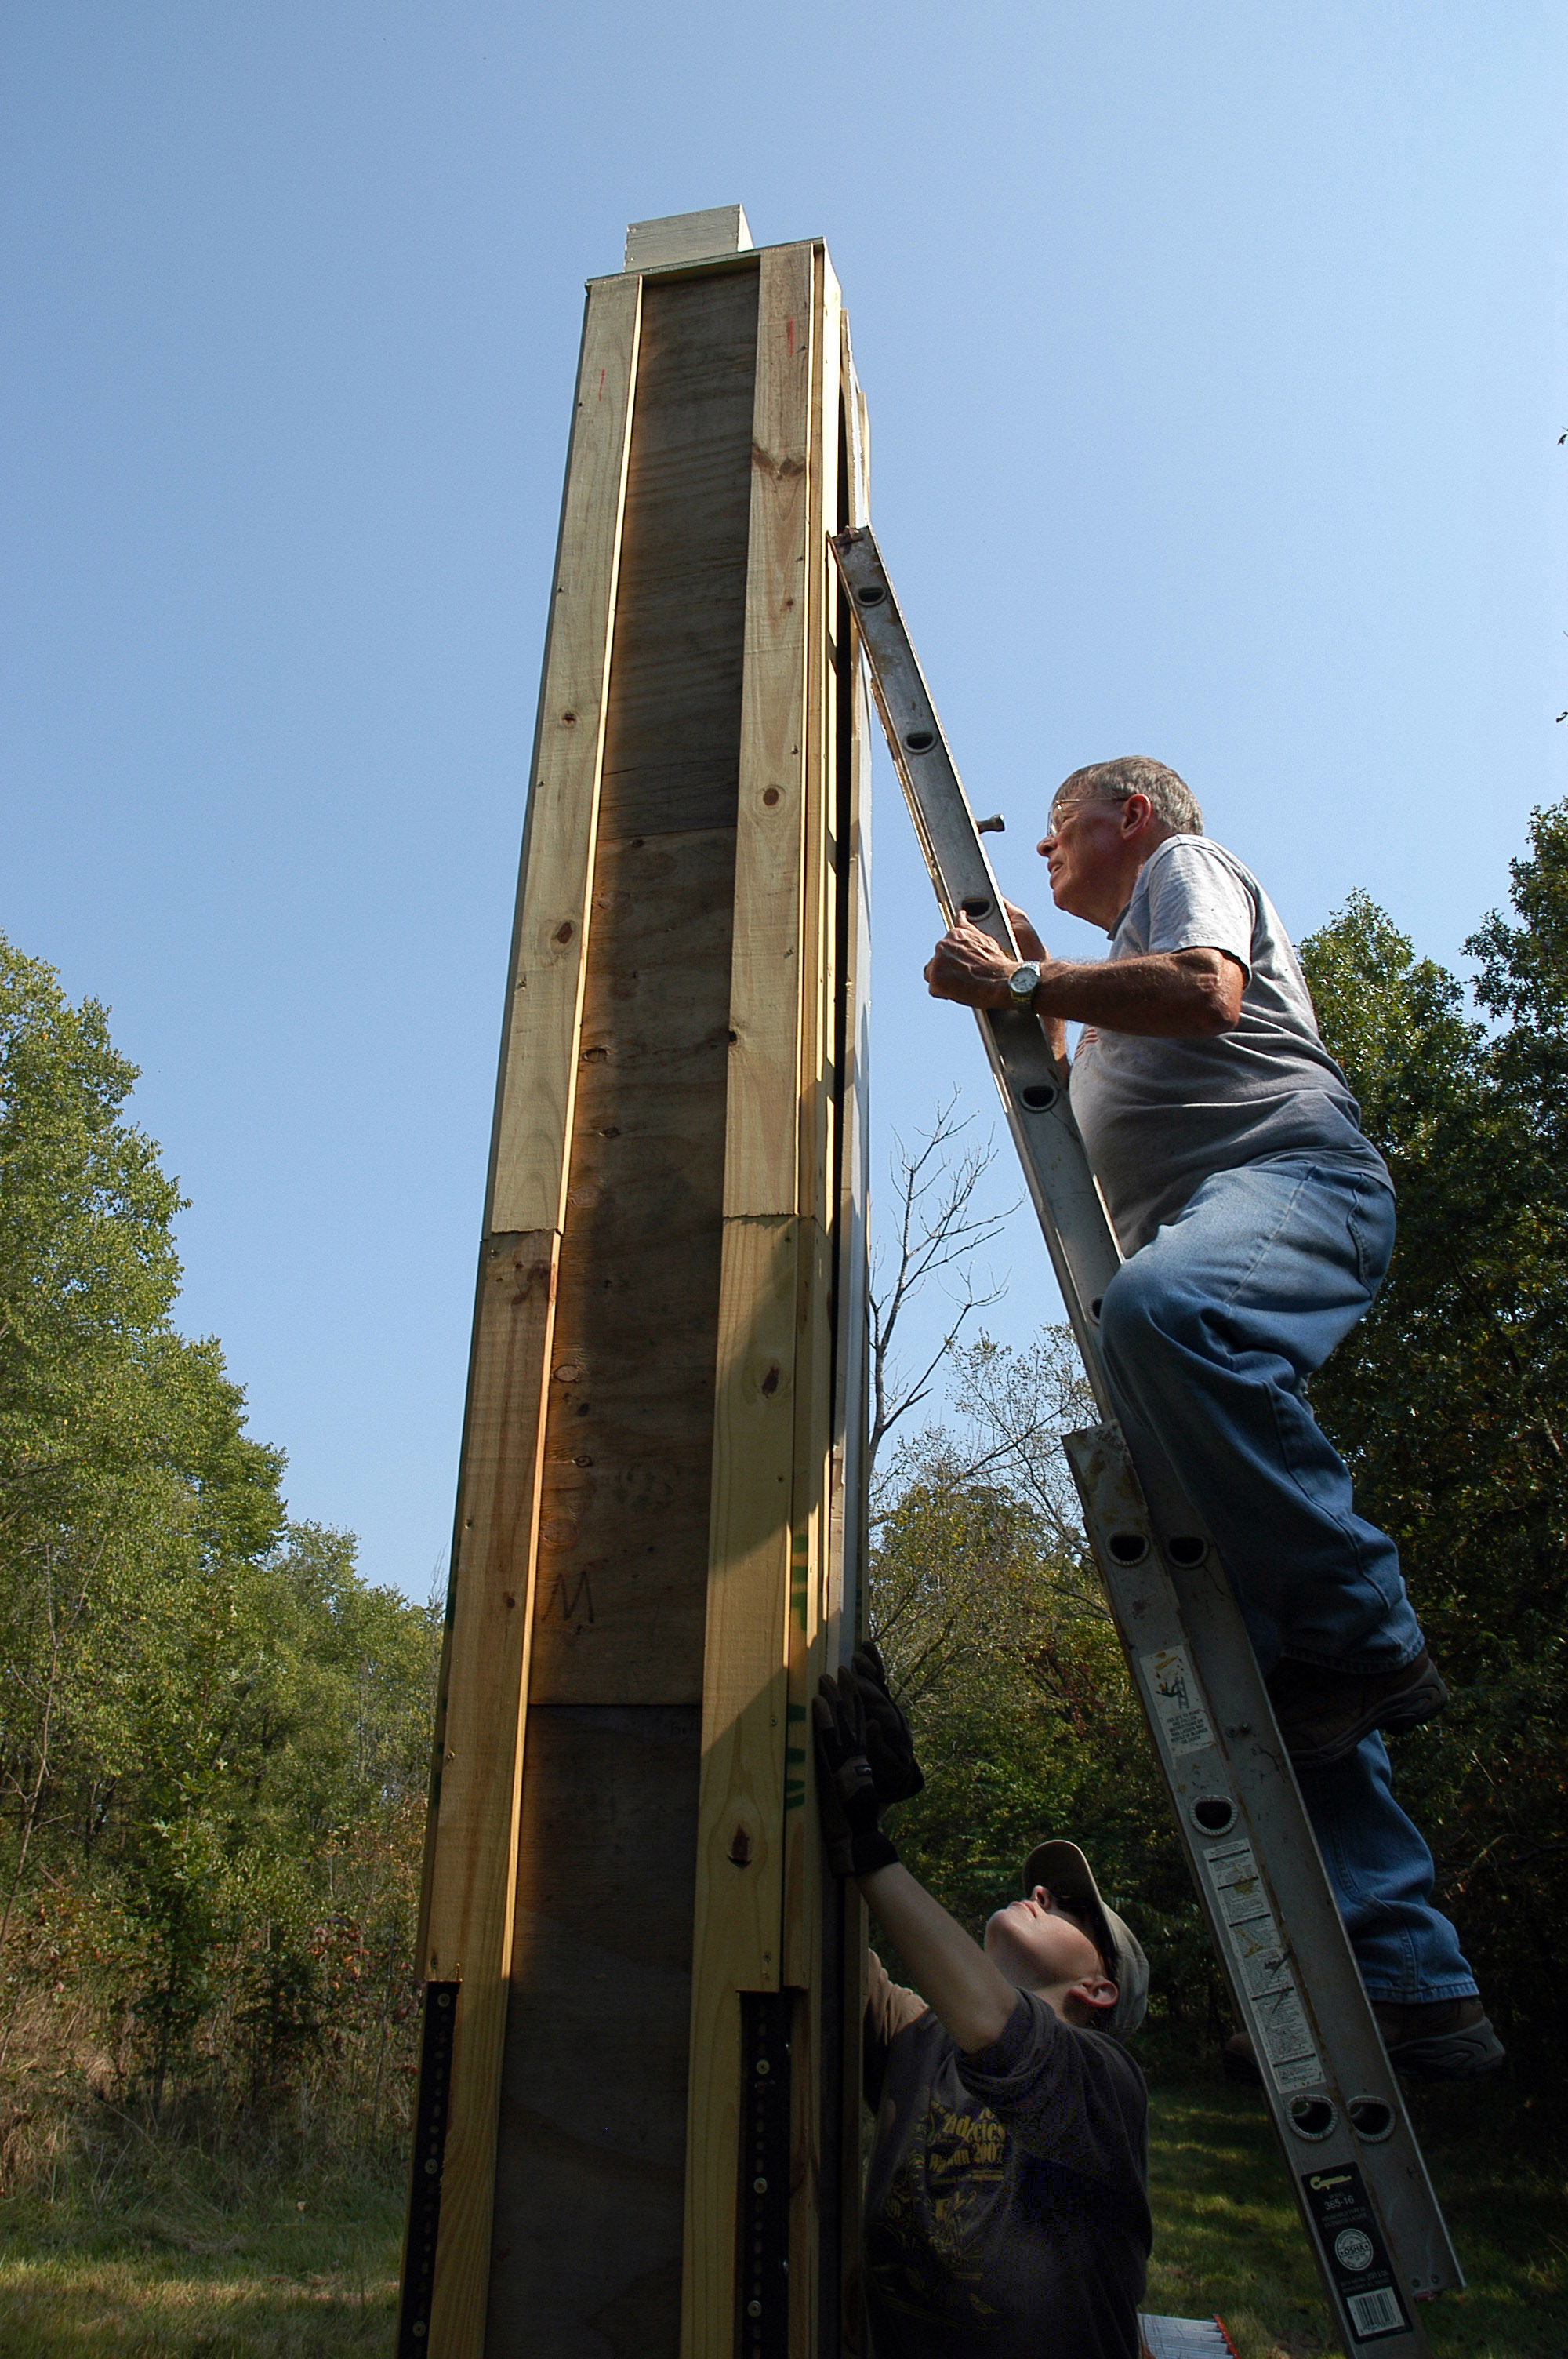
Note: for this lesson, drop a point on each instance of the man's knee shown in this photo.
(1144, 1314)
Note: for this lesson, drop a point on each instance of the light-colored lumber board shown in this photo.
(843, 1602)
(761, 1166)
(852, 1342)
(813, 1438)
(818, 957)
(469, 1917)
(534, 1107)
(470, 1911)
(810, 1963)
(820, 986)
(737, 1914)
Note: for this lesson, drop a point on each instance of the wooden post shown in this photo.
(627, 1926)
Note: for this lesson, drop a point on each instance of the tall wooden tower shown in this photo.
(636, 2130)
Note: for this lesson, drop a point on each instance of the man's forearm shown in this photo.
(1164, 994)
(972, 1996)
(1173, 996)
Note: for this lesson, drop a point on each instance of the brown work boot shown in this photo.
(1440, 2039)
(1324, 1714)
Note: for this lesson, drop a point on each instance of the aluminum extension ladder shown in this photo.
(1354, 2163)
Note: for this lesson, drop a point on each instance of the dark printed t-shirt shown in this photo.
(1007, 2208)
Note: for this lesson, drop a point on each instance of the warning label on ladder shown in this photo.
(1174, 1696)
(1280, 2026)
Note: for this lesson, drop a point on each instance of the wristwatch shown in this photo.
(1023, 982)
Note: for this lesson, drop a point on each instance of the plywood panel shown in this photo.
(589, 2181)
(538, 1062)
(624, 1561)
(671, 745)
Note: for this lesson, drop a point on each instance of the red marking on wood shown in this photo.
(601, 385)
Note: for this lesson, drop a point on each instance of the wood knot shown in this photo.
(564, 932)
(740, 1848)
(770, 1381)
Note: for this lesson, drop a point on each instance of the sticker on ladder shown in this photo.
(1177, 1700)
(1278, 2024)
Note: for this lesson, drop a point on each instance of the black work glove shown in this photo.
(890, 1748)
(846, 1790)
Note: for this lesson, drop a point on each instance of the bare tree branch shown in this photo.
(939, 1230)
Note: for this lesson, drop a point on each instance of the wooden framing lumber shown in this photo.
(761, 1146)
(538, 1066)
(593, 2123)
(659, 1536)
(467, 1905)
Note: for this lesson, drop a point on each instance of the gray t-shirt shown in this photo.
(1160, 1117)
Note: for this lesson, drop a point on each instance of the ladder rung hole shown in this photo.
(920, 741)
(1186, 1551)
(1312, 2117)
(1370, 2118)
(871, 595)
(1128, 1547)
(1038, 1095)
(1214, 1814)
(1094, 1307)
(976, 906)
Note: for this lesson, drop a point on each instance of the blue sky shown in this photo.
(1215, 365)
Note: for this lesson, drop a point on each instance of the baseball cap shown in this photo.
(1062, 1869)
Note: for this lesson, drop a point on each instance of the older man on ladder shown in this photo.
(1258, 1223)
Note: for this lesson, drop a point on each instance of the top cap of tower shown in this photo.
(686, 237)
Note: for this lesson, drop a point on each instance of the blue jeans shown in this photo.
(1210, 1332)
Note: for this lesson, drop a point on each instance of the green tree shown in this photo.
(1449, 1399)
(213, 1732)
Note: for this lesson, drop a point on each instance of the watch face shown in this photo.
(1024, 981)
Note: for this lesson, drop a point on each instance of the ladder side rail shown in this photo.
(1333, 2094)
(1198, 1601)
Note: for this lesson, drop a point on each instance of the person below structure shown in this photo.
(1007, 2206)
(1258, 1223)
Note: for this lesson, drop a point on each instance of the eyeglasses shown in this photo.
(1059, 817)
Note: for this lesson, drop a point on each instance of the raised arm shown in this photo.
(972, 1996)
(974, 1999)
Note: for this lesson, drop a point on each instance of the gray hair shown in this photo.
(1134, 774)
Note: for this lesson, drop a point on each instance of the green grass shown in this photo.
(152, 2252)
(200, 2259)
(1227, 2237)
